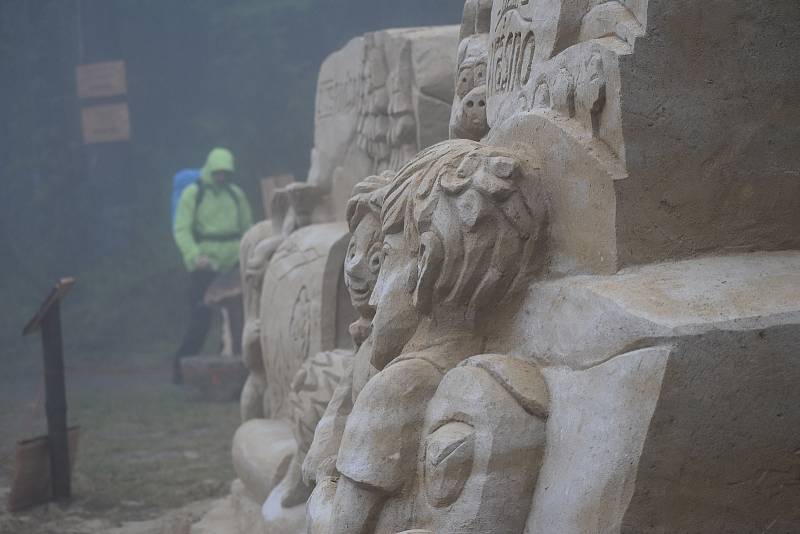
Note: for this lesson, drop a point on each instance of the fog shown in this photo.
(200, 73)
(88, 195)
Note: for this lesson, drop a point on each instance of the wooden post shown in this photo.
(48, 320)
(56, 403)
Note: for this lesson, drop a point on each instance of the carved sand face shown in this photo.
(471, 74)
(468, 119)
(363, 263)
(396, 317)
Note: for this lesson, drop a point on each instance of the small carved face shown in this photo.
(363, 262)
(396, 317)
(469, 117)
(473, 53)
(471, 74)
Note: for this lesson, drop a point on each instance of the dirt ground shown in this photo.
(146, 446)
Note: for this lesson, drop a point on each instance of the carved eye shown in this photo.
(449, 453)
(375, 260)
(480, 74)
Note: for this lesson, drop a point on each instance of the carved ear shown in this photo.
(429, 265)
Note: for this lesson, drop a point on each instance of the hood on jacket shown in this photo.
(219, 159)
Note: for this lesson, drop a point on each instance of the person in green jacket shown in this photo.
(211, 217)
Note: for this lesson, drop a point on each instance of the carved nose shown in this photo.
(354, 277)
(373, 298)
(356, 267)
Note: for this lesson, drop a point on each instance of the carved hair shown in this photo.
(367, 197)
(459, 202)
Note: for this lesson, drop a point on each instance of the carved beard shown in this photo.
(360, 331)
(389, 346)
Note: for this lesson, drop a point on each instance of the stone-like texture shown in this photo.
(298, 311)
(305, 267)
(598, 423)
(493, 408)
(684, 372)
(582, 323)
(380, 100)
(363, 263)
(303, 278)
(468, 116)
(714, 86)
(262, 450)
(460, 237)
(679, 138)
(220, 519)
(280, 518)
(649, 389)
(727, 421)
(255, 250)
(361, 269)
(246, 511)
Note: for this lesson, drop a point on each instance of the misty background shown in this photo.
(200, 73)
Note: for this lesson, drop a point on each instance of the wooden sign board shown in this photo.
(101, 80)
(32, 484)
(107, 123)
(268, 187)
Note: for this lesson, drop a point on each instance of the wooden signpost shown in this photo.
(48, 321)
(106, 118)
(106, 123)
(101, 80)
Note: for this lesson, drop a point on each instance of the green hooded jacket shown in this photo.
(215, 226)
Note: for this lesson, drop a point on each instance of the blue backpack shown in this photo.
(181, 181)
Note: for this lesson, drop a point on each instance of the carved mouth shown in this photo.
(358, 290)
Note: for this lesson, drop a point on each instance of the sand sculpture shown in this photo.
(622, 356)
(585, 314)
(380, 99)
(459, 240)
(468, 116)
(307, 282)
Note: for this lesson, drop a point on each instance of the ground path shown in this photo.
(145, 448)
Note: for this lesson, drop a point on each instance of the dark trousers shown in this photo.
(199, 318)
